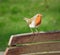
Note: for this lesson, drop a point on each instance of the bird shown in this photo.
(34, 22)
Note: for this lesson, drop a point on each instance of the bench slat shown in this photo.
(30, 37)
(47, 54)
(33, 48)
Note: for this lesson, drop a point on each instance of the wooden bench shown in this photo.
(47, 43)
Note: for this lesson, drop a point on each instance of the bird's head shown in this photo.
(39, 15)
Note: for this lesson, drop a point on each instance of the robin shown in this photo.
(34, 22)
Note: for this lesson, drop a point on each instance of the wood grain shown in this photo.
(36, 37)
(33, 48)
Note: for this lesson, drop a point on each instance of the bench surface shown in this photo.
(46, 43)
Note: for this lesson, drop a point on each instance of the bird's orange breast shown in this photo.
(38, 20)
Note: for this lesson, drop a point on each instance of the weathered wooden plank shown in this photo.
(36, 37)
(33, 48)
(51, 54)
(11, 51)
(45, 54)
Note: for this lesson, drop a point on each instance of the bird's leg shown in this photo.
(33, 34)
(31, 30)
(36, 29)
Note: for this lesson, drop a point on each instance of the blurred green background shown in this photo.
(12, 13)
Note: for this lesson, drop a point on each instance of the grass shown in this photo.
(12, 13)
